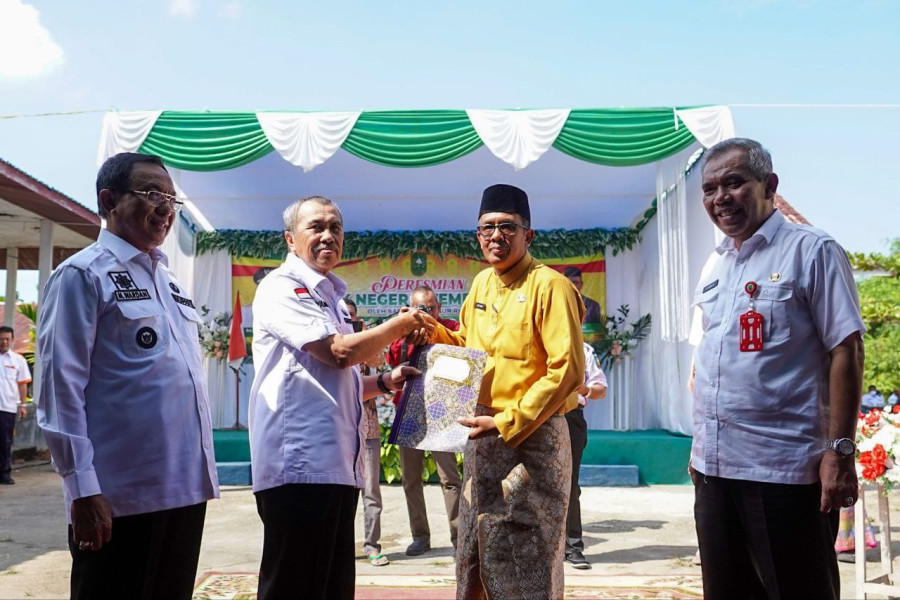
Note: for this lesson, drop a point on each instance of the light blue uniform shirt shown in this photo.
(763, 416)
(123, 401)
(306, 422)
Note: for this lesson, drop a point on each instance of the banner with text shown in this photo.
(380, 287)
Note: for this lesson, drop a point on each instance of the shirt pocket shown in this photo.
(514, 340)
(144, 331)
(772, 303)
(706, 302)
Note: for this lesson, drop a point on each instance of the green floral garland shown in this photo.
(553, 243)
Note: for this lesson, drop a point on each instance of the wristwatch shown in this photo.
(844, 447)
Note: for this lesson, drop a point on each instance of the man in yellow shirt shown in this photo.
(517, 465)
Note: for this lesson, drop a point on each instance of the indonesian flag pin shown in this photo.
(751, 323)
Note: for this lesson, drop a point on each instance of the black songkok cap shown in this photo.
(505, 198)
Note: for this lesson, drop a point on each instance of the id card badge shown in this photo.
(751, 324)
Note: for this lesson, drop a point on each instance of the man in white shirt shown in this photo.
(593, 388)
(13, 389)
(307, 430)
(123, 401)
(776, 390)
(894, 398)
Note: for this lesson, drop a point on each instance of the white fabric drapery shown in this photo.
(671, 207)
(518, 137)
(710, 124)
(307, 139)
(125, 132)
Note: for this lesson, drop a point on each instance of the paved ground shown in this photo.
(631, 534)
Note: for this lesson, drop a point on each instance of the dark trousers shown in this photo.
(764, 540)
(151, 555)
(578, 436)
(7, 426)
(308, 544)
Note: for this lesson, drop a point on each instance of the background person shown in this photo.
(371, 493)
(123, 401)
(593, 388)
(13, 393)
(412, 460)
(592, 311)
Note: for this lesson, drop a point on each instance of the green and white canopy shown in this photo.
(581, 167)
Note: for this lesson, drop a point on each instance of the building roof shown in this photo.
(24, 202)
(790, 213)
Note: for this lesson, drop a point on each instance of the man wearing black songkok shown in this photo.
(517, 465)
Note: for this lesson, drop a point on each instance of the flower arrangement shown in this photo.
(878, 447)
(215, 331)
(621, 339)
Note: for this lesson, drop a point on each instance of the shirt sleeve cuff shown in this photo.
(81, 484)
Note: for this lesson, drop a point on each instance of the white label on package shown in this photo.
(450, 367)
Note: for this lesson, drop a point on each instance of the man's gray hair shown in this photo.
(290, 213)
(759, 159)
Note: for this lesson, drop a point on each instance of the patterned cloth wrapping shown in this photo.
(432, 402)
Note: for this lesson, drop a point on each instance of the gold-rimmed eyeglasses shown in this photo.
(507, 228)
(156, 198)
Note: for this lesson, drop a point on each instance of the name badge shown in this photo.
(480, 306)
(710, 286)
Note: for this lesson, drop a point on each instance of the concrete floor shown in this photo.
(631, 534)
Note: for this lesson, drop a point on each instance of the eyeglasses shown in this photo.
(507, 228)
(156, 198)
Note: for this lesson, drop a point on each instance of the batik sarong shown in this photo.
(513, 515)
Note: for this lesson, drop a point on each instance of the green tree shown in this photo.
(879, 298)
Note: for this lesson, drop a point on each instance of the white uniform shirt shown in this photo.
(123, 401)
(15, 371)
(306, 417)
(893, 400)
(592, 372)
(872, 400)
(763, 416)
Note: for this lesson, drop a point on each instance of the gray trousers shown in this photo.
(412, 463)
(372, 497)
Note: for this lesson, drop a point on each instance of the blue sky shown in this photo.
(838, 166)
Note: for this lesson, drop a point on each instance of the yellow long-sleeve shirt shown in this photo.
(528, 320)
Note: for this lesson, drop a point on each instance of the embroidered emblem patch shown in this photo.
(146, 338)
(126, 288)
(302, 293)
(520, 298)
(183, 301)
(776, 276)
(174, 288)
(480, 306)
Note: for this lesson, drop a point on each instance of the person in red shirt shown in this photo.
(412, 461)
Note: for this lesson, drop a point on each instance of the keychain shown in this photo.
(751, 323)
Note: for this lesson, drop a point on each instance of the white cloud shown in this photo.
(26, 47)
(231, 9)
(183, 8)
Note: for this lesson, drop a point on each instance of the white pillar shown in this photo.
(45, 258)
(12, 269)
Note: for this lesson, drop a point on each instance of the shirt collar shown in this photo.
(517, 271)
(124, 251)
(325, 285)
(764, 234)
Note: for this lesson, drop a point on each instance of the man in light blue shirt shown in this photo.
(123, 401)
(776, 390)
(307, 429)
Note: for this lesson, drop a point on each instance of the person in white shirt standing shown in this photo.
(123, 401)
(307, 428)
(778, 370)
(13, 389)
(593, 388)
